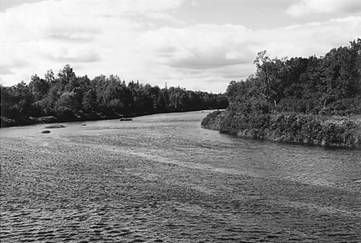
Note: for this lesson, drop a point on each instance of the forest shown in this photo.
(310, 100)
(67, 97)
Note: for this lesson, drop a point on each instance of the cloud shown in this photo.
(143, 40)
(65, 56)
(215, 46)
(5, 4)
(308, 7)
(70, 37)
(5, 70)
(74, 34)
(187, 48)
(52, 32)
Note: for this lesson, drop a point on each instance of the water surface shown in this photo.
(162, 178)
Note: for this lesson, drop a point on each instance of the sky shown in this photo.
(195, 44)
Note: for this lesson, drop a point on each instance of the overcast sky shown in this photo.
(196, 44)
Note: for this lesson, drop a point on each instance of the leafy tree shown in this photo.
(70, 97)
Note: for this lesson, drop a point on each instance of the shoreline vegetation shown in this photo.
(311, 101)
(66, 97)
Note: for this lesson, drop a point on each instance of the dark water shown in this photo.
(162, 178)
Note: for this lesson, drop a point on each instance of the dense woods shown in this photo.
(68, 97)
(329, 85)
(300, 100)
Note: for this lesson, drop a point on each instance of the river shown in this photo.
(163, 178)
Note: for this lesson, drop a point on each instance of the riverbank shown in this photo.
(325, 131)
(6, 122)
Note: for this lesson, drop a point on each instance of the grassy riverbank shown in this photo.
(327, 131)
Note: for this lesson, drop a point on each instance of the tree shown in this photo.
(39, 87)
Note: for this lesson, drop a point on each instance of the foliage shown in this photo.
(329, 85)
(213, 120)
(283, 100)
(70, 97)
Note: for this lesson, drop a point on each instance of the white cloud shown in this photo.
(82, 56)
(4, 4)
(308, 7)
(226, 52)
(5, 70)
(142, 40)
(55, 32)
(200, 46)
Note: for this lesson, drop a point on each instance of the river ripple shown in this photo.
(162, 178)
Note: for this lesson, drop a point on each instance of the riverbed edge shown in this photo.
(293, 128)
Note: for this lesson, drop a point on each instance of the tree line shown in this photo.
(68, 97)
(295, 100)
(327, 85)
